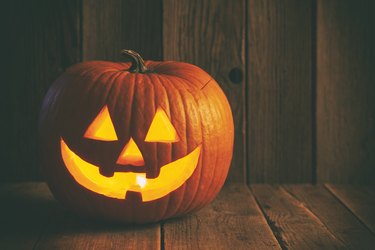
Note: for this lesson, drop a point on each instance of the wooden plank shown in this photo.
(336, 217)
(30, 218)
(42, 39)
(345, 92)
(360, 200)
(295, 226)
(24, 211)
(232, 221)
(279, 107)
(112, 25)
(210, 34)
(68, 231)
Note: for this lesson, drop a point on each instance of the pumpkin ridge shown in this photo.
(215, 99)
(106, 95)
(90, 90)
(218, 172)
(124, 96)
(182, 81)
(154, 68)
(181, 189)
(196, 79)
(187, 185)
(178, 90)
(133, 102)
(191, 202)
(172, 210)
(166, 109)
(167, 99)
(214, 166)
(166, 204)
(148, 80)
(62, 103)
(170, 67)
(155, 162)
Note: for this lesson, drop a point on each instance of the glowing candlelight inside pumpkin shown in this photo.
(141, 181)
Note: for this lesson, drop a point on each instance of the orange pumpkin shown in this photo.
(135, 142)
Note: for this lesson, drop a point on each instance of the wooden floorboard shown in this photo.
(232, 221)
(24, 211)
(262, 217)
(336, 217)
(67, 231)
(30, 218)
(295, 226)
(360, 200)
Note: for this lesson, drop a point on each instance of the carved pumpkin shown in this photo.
(135, 142)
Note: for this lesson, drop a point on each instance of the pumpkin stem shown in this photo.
(138, 64)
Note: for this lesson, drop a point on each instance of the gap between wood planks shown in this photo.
(262, 216)
(294, 210)
(281, 214)
(362, 208)
(310, 212)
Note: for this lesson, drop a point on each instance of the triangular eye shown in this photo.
(102, 127)
(161, 129)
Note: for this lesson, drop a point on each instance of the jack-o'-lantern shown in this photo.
(135, 142)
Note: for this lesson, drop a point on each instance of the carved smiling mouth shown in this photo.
(172, 176)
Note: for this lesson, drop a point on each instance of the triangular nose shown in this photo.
(131, 155)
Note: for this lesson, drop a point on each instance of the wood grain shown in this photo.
(279, 107)
(112, 25)
(346, 92)
(359, 200)
(232, 221)
(210, 34)
(287, 217)
(336, 217)
(68, 231)
(32, 219)
(295, 226)
(42, 39)
(24, 212)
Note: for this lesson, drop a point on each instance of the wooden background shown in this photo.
(299, 75)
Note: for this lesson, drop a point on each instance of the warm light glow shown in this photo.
(141, 181)
(102, 127)
(161, 129)
(131, 155)
(171, 177)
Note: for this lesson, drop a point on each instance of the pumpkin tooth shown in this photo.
(133, 196)
(106, 172)
(154, 174)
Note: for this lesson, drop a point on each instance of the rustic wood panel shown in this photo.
(232, 221)
(336, 217)
(295, 226)
(346, 91)
(279, 110)
(24, 211)
(67, 231)
(42, 39)
(360, 200)
(32, 219)
(112, 25)
(286, 217)
(210, 34)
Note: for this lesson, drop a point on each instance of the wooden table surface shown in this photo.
(241, 217)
